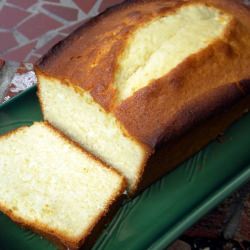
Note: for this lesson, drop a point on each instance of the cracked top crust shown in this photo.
(201, 84)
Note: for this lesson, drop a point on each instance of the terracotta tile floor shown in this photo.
(28, 28)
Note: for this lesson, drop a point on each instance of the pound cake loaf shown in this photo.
(144, 73)
(52, 186)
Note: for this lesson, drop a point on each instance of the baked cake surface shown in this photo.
(146, 72)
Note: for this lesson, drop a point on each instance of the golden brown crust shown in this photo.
(171, 122)
(165, 107)
(89, 57)
(59, 238)
(170, 154)
(197, 77)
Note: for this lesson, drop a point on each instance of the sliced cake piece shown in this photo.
(52, 186)
(146, 72)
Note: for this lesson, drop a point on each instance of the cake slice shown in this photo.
(52, 186)
(145, 73)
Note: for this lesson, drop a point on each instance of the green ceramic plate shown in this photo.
(166, 209)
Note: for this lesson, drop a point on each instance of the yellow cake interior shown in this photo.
(82, 119)
(47, 182)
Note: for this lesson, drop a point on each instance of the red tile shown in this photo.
(73, 27)
(67, 13)
(38, 25)
(20, 53)
(7, 41)
(108, 3)
(23, 3)
(49, 44)
(2, 62)
(86, 6)
(10, 17)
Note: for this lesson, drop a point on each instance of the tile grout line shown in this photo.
(37, 8)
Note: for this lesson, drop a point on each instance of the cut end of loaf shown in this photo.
(52, 186)
(160, 45)
(78, 116)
